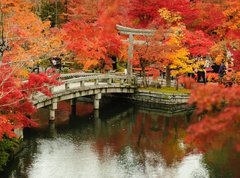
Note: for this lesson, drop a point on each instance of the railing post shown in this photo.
(82, 83)
(67, 86)
(51, 89)
(96, 81)
(121, 81)
(110, 81)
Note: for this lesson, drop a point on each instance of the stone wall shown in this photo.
(160, 98)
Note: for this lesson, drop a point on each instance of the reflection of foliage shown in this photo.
(7, 148)
(148, 133)
(220, 106)
(165, 139)
(219, 163)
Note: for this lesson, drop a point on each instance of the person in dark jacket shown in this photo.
(222, 70)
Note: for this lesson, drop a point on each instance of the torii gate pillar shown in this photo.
(130, 55)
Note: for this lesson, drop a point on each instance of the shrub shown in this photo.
(7, 149)
(187, 82)
(213, 77)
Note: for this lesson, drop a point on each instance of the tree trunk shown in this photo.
(144, 78)
(168, 76)
(177, 85)
(143, 65)
(56, 12)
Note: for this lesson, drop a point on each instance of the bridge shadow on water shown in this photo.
(112, 111)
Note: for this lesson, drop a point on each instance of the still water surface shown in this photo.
(120, 141)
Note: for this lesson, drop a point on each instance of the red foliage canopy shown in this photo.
(197, 42)
(15, 100)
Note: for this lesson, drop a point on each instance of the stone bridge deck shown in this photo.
(77, 85)
(94, 84)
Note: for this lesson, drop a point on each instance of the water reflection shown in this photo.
(120, 142)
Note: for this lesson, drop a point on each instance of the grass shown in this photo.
(168, 90)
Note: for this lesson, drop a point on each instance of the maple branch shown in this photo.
(9, 104)
(2, 42)
(3, 94)
(11, 73)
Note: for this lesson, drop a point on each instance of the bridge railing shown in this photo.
(77, 75)
(78, 81)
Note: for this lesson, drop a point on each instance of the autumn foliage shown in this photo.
(24, 39)
(220, 117)
(16, 95)
(91, 32)
(185, 32)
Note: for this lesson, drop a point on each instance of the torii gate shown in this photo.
(131, 32)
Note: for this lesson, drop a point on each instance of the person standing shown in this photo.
(222, 70)
(201, 73)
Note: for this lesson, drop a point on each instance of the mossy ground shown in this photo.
(168, 90)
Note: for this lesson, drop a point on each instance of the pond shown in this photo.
(122, 140)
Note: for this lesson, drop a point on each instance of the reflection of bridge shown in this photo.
(77, 85)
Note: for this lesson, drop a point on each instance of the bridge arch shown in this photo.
(78, 85)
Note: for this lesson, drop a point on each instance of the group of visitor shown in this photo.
(56, 62)
(201, 73)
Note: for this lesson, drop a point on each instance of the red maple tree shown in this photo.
(16, 95)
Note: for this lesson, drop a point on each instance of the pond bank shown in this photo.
(146, 96)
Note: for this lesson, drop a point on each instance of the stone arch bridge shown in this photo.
(84, 84)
